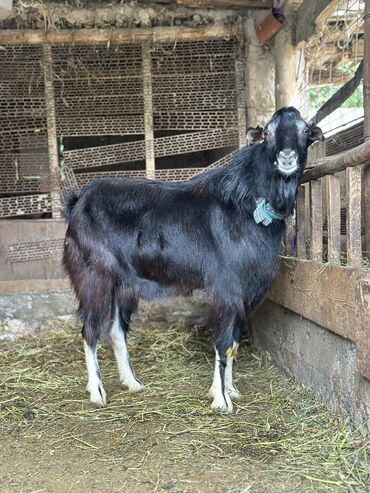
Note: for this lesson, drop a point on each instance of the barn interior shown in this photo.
(166, 90)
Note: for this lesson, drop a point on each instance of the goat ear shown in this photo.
(254, 134)
(315, 134)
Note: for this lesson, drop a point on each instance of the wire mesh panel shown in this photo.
(329, 60)
(99, 113)
(105, 155)
(194, 86)
(24, 160)
(98, 90)
(24, 205)
(83, 179)
(36, 250)
(24, 173)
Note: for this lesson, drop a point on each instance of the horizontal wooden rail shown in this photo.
(116, 36)
(339, 162)
(255, 4)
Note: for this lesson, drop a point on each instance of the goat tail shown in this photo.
(69, 203)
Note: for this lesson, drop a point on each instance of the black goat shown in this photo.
(220, 231)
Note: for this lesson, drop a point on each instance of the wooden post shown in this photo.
(366, 177)
(285, 63)
(301, 222)
(148, 110)
(289, 237)
(333, 214)
(354, 250)
(240, 86)
(52, 133)
(316, 220)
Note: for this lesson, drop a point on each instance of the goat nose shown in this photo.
(287, 153)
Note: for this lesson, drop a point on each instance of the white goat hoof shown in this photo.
(223, 407)
(234, 394)
(98, 396)
(134, 387)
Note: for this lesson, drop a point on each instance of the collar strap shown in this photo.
(264, 213)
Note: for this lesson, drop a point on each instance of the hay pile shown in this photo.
(167, 439)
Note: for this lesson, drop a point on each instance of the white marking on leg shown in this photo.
(126, 373)
(230, 387)
(220, 402)
(94, 385)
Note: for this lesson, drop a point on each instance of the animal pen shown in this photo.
(166, 91)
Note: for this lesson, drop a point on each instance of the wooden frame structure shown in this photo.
(220, 129)
(334, 284)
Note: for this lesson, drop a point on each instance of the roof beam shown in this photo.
(115, 36)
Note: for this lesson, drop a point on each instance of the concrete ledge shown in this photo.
(28, 306)
(315, 357)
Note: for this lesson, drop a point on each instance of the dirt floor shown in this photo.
(167, 439)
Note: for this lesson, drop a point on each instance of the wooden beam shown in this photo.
(354, 249)
(301, 233)
(316, 220)
(115, 36)
(333, 215)
(347, 159)
(337, 298)
(240, 87)
(56, 206)
(148, 110)
(308, 16)
(289, 239)
(285, 62)
(366, 177)
(255, 4)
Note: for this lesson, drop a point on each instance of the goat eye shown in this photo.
(306, 131)
(266, 132)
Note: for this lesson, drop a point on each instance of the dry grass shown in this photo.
(167, 439)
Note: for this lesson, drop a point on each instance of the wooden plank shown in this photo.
(333, 164)
(301, 233)
(354, 250)
(56, 205)
(255, 4)
(335, 297)
(367, 70)
(333, 214)
(115, 36)
(240, 89)
(148, 110)
(316, 220)
(366, 85)
(289, 240)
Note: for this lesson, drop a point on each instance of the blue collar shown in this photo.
(264, 213)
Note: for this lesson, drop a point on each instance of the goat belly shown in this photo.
(165, 260)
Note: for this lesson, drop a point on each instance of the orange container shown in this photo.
(269, 27)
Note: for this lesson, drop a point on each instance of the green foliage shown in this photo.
(319, 95)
